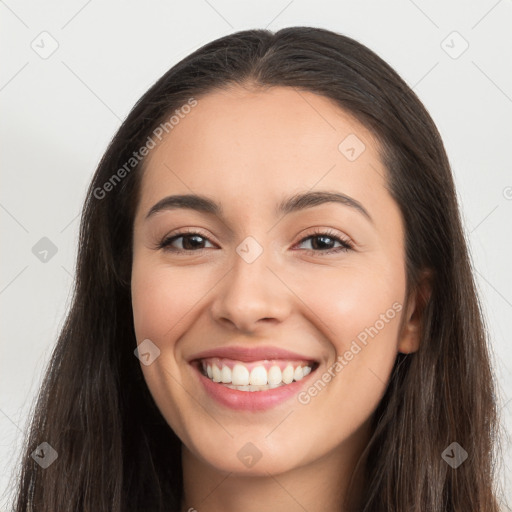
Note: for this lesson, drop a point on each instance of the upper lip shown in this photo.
(248, 354)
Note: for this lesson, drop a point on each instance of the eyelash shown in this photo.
(346, 243)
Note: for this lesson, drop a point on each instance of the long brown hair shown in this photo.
(117, 453)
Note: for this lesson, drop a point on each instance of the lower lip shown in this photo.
(251, 400)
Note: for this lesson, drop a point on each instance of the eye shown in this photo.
(327, 238)
(191, 241)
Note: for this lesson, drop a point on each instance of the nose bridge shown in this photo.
(251, 292)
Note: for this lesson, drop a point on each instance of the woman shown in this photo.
(213, 361)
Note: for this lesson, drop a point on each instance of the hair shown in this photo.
(115, 450)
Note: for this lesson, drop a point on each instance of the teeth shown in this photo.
(240, 375)
(288, 374)
(258, 378)
(216, 373)
(274, 376)
(225, 375)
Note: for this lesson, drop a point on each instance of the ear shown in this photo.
(410, 335)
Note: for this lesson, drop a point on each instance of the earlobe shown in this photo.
(410, 337)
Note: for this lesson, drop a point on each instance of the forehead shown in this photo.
(263, 144)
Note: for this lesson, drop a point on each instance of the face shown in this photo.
(322, 279)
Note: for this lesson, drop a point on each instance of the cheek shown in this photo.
(161, 299)
(350, 302)
(163, 302)
(359, 312)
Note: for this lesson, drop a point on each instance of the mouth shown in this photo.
(254, 376)
(250, 382)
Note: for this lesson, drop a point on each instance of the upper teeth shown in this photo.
(240, 375)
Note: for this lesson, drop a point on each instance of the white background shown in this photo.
(59, 113)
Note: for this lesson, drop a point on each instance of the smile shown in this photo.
(284, 379)
(254, 376)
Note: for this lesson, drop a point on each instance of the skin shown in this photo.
(249, 149)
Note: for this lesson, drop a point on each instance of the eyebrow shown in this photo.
(294, 203)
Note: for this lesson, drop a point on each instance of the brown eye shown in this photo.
(322, 243)
(191, 242)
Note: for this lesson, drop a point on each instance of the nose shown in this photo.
(251, 296)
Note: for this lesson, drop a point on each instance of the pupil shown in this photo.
(187, 239)
(320, 238)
